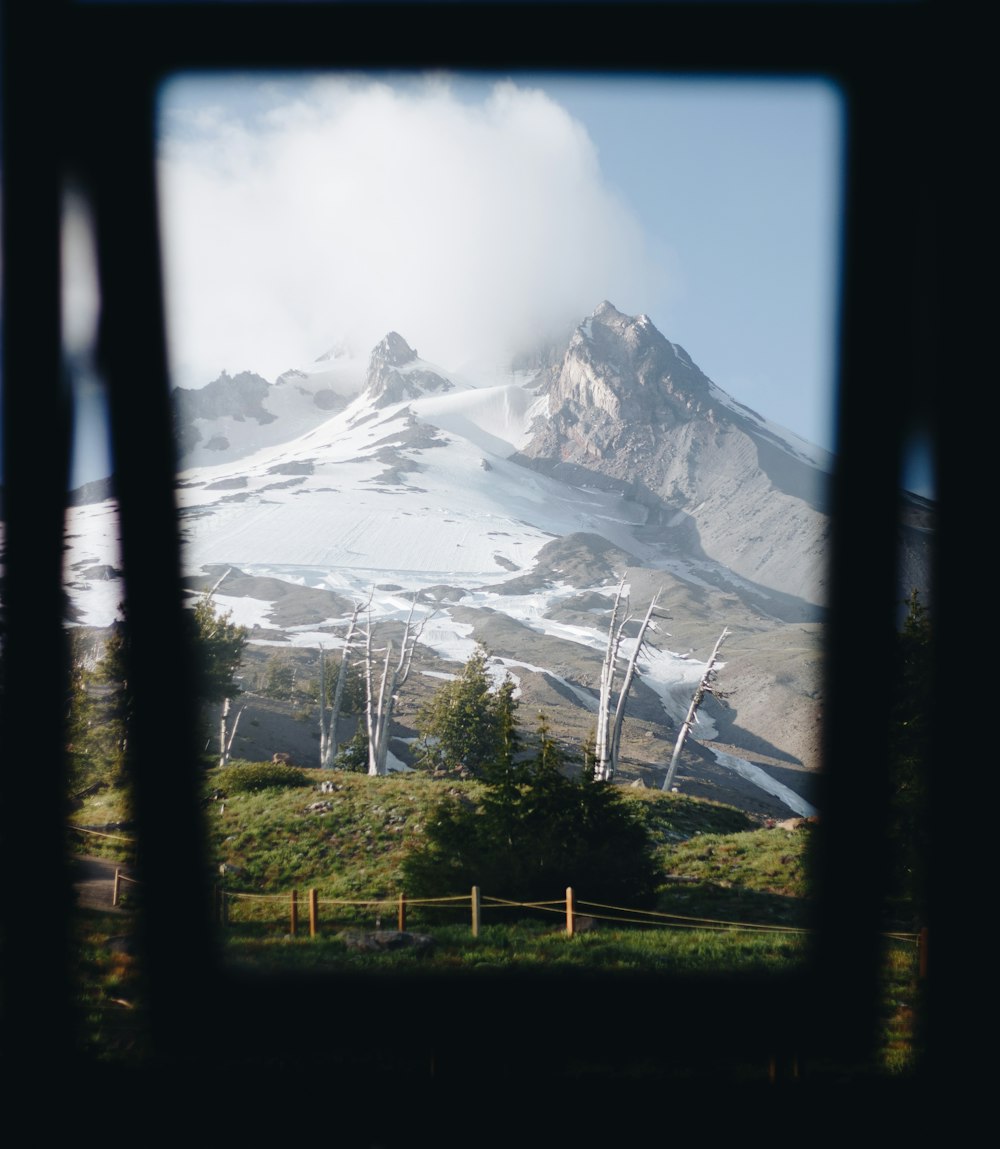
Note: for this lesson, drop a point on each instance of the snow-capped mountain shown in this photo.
(396, 373)
(715, 478)
(235, 415)
(509, 511)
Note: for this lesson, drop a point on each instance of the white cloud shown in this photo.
(351, 207)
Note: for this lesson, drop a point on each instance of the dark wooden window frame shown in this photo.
(79, 90)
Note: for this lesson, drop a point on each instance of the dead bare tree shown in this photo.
(705, 686)
(328, 722)
(378, 712)
(226, 739)
(609, 726)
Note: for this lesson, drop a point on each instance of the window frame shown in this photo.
(95, 122)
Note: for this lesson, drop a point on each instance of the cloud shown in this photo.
(294, 219)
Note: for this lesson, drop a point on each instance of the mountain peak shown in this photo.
(621, 368)
(396, 373)
(393, 351)
(607, 310)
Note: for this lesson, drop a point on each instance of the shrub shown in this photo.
(353, 755)
(534, 833)
(248, 777)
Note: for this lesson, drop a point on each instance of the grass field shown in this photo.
(347, 844)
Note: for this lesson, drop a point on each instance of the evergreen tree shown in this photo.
(279, 680)
(464, 723)
(219, 643)
(353, 699)
(535, 832)
(100, 708)
(353, 756)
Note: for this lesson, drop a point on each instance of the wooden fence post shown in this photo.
(476, 907)
(313, 914)
(223, 907)
(295, 912)
(569, 911)
(118, 886)
(401, 919)
(922, 951)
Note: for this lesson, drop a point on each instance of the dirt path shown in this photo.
(94, 882)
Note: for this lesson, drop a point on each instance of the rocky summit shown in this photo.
(717, 482)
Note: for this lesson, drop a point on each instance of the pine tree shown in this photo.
(535, 832)
(466, 720)
(220, 643)
(99, 712)
(353, 755)
(279, 680)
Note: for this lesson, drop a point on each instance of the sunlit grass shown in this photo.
(716, 863)
(526, 945)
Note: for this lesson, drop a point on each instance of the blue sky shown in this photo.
(738, 185)
(722, 200)
(477, 212)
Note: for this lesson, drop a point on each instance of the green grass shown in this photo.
(901, 1001)
(108, 992)
(716, 861)
(94, 827)
(524, 945)
(716, 864)
(350, 848)
(764, 861)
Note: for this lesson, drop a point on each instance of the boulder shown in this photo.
(384, 941)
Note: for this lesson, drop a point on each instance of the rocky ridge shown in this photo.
(627, 405)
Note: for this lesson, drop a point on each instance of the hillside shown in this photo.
(348, 839)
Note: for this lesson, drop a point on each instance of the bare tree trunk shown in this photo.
(227, 736)
(379, 718)
(324, 728)
(609, 729)
(328, 725)
(379, 721)
(704, 687)
(616, 729)
(228, 571)
(223, 733)
(602, 765)
(369, 692)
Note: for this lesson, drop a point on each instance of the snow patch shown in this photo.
(760, 778)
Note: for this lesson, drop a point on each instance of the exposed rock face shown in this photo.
(324, 398)
(628, 405)
(95, 491)
(618, 369)
(396, 374)
(238, 396)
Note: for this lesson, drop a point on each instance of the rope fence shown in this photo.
(474, 903)
(119, 878)
(102, 834)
